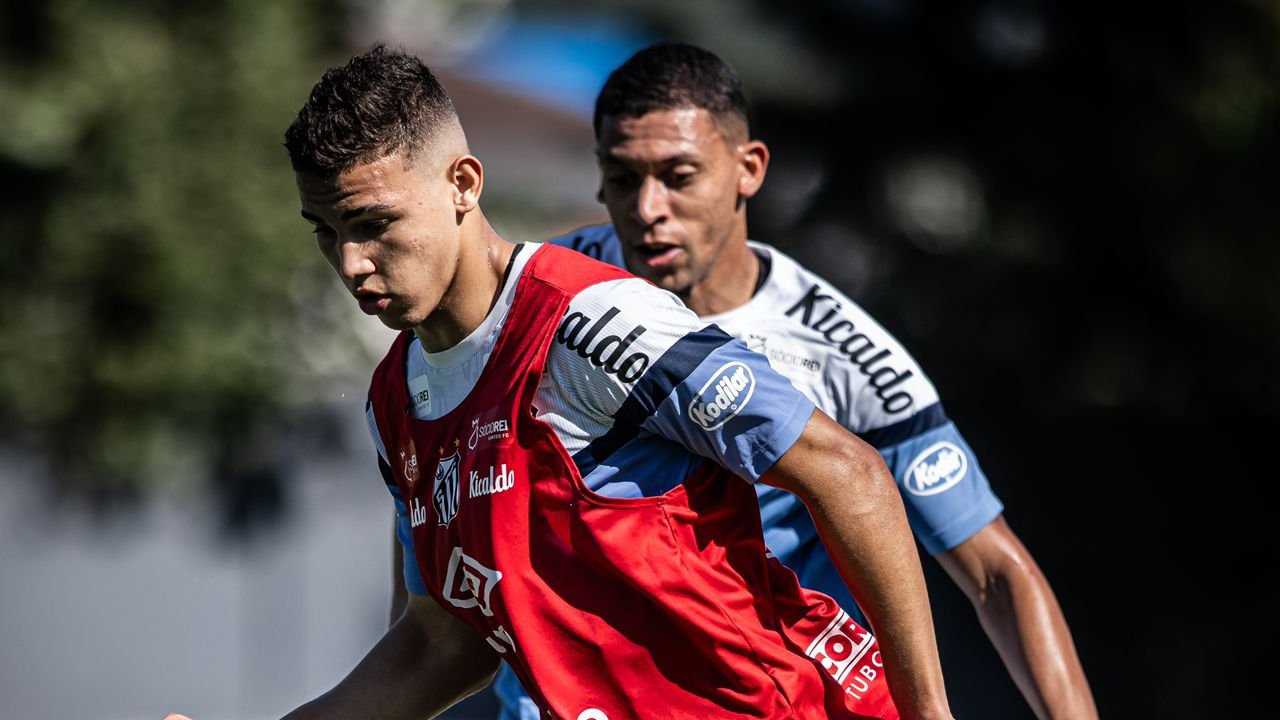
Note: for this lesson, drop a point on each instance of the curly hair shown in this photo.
(673, 75)
(379, 103)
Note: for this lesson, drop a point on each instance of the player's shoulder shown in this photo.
(391, 365)
(798, 292)
(884, 377)
(621, 326)
(595, 241)
(804, 300)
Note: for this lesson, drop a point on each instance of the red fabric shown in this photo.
(664, 607)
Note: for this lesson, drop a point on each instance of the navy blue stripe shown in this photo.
(604, 446)
(675, 365)
(922, 422)
(585, 461)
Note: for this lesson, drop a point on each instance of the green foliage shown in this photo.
(153, 261)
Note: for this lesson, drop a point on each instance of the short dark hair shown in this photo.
(672, 75)
(379, 103)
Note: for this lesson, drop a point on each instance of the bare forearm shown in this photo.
(875, 551)
(858, 512)
(407, 676)
(1025, 623)
(1017, 608)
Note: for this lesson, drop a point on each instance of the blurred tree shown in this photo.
(154, 266)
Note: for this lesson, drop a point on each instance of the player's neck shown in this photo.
(476, 286)
(729, 284)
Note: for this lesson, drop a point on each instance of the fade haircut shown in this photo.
(670, 76)
(379, 103)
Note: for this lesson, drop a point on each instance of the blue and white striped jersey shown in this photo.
(859, 374)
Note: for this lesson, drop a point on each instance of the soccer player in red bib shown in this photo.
(576, 454)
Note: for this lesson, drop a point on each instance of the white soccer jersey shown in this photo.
(856, 372)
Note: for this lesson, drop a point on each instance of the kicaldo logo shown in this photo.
(841, 648)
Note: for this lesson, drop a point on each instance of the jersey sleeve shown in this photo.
(630, 360)
(413, 581)
(947, 496)
(596, 241)
(879, 392)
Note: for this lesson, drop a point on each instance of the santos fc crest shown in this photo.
(444, 489)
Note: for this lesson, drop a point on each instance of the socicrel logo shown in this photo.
(936, 470)
(725, 394)
(494, 429)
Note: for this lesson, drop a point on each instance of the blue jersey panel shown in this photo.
(735, 409)
(947, 496)
(413, 581)
(596, 241)
(515, 703)
(708, 393)
(647, 465)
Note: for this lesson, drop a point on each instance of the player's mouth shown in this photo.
(372, 303)
(658, 256)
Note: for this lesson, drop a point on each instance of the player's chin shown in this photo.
(675, 281)
(666, 277)
(397, 320)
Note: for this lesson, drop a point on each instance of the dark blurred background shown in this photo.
(1062, 209)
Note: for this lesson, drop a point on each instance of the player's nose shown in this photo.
(651, 201)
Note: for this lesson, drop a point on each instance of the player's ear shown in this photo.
(600, 193)
(753, 161)
(467, 177)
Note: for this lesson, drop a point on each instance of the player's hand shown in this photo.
(176, 716)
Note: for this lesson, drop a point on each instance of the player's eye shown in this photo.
(374, 228)
(620, 179)
(324, 234)
(679, 177)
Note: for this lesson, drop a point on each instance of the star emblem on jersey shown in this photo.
(444, 489)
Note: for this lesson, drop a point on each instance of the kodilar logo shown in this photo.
(936, 470)
(725, 394)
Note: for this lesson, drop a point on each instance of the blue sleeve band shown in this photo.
(948, 498)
